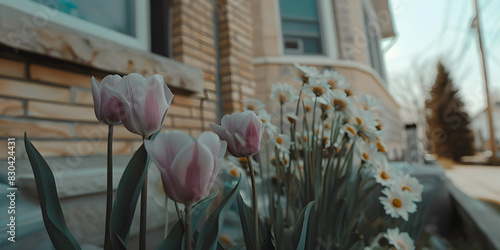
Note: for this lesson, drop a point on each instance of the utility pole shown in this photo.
(493, 147)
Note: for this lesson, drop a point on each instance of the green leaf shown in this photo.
(199, 209)
(303, 235)
(52, 213)
(209, 233)
(174, 238)
(247, 226)
(127, 195)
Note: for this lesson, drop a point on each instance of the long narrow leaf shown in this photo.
(303, 235)
(199, 209)
(209, 233)
(52, 213)
(127, 195)
(247, 226)
(174, 238)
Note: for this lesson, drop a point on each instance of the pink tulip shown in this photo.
(188, 167)
(143, 103)
(106, 105)
(242, 132)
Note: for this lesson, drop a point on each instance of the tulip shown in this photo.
(188, 167)
(242, 132)
(105, 104)
(143, 103)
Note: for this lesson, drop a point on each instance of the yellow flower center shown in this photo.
(263, 120)
(332, 83)
(350, 130)
(324, 106)
(283, 97)
(234, 172)
(318, 91)
(384, 175)
(279, 140)
(251, 106)
(348, 92)
(406, 188)
(365, 156)
(339, 104)
(381, 147)
(243, 159)
(291, 119)
(308, 108)
(358, 120)
(397, 203)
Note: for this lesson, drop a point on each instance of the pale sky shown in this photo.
(429, 30)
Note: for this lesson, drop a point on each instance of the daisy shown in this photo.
(365, 120)
(366, 151)
(339, 100)
(283, 142)
(308, 104)
(316, 87)
(253, 105)
(307, 72)
(283, 92)
(397, 203)
(334, 79)
(383, 174)
(368, 102)
(411, 185)
(271, 130)
(291, 117)
(350, 130)
(402, 241)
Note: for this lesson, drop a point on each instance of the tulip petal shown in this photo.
(96, 95)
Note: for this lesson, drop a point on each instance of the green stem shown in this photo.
(109, 191)
(166, 216)
(144, 212)
(281, 117)
(187, 227)
(254, 203)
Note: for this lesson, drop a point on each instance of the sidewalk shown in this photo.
(480, 182)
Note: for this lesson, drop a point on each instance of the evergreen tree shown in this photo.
(448, 121)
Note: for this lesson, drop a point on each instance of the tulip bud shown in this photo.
(143, 103)
(242, 132)
(188, 167)
(105, 104)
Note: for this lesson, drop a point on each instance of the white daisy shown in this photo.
(291, 117)
(316, 87)
(283, 92)
(368, 102)
(366, 151)
(365, 120)
(401, 241)
(397, 203)
(253, 105)
(283, 142)
(307, 71)
(334, 79)
(339, 100)
(271, 130)
(411, 185)
(384, 174)
(350, 130)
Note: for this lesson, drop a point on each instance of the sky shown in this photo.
(432, 30)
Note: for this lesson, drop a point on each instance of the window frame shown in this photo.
(327, 31)
(46, 14)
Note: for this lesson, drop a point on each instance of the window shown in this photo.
(126, 22)
(373, 41)
(301, 27)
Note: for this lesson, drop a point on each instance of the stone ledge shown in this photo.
(59, 42)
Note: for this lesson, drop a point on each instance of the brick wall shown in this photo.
(236, 53)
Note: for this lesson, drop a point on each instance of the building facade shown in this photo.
(212, 55)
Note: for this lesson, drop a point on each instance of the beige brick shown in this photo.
(185, 100)
(186, 122)
(100, 132)
(11, 107)
(178, 110)
(82, 96)
(63, 77)
(12, 68)
(60, 112)
(33, 91)
(34, 129)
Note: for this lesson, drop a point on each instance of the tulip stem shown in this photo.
(144, 212)
(254, 204)
(187, 227)
(109, 191)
